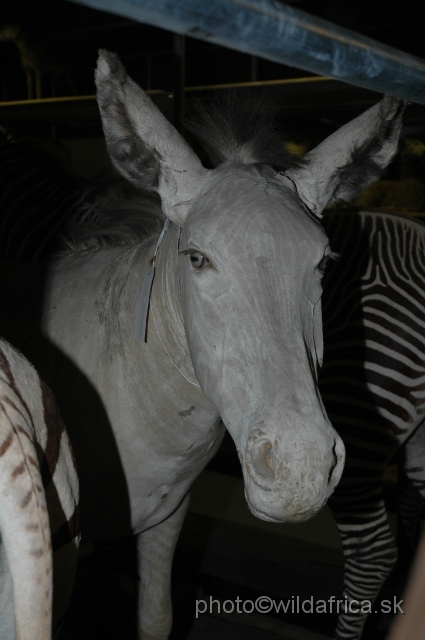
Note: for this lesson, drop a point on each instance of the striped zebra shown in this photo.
(373, 386)
(37, 198)
(38, 505)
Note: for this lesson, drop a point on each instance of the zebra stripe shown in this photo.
(373, 386)
(37, 199)
(38, 504)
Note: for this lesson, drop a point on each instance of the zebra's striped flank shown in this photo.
(37, 199)
(373, 386)
(38, 505)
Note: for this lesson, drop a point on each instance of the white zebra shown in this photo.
(144, 417)
(38, 504)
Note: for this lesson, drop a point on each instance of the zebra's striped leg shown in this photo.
(155, 556)
(409, 510)
(7, 618)
(369, 556)
(411, 500)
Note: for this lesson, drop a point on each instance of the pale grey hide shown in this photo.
(234, 333)
(38, 501)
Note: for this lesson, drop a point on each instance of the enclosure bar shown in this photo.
(261, 83)
(163, 92)
(278, 32)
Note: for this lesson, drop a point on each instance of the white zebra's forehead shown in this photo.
(255, 199)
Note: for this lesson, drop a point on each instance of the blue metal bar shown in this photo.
(278, 32)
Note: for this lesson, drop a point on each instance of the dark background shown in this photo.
(69, 35)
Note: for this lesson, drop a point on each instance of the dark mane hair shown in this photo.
(243, 128)
(237, 127)
(118, 215)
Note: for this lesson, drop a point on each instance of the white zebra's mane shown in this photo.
(119, 215)
(243, 129)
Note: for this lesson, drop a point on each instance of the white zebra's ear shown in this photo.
(349, 160)
(144, 147)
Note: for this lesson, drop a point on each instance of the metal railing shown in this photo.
(278, 32)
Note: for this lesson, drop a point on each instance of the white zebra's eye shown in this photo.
(198, 260)
(324, 264)
(326, 261)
